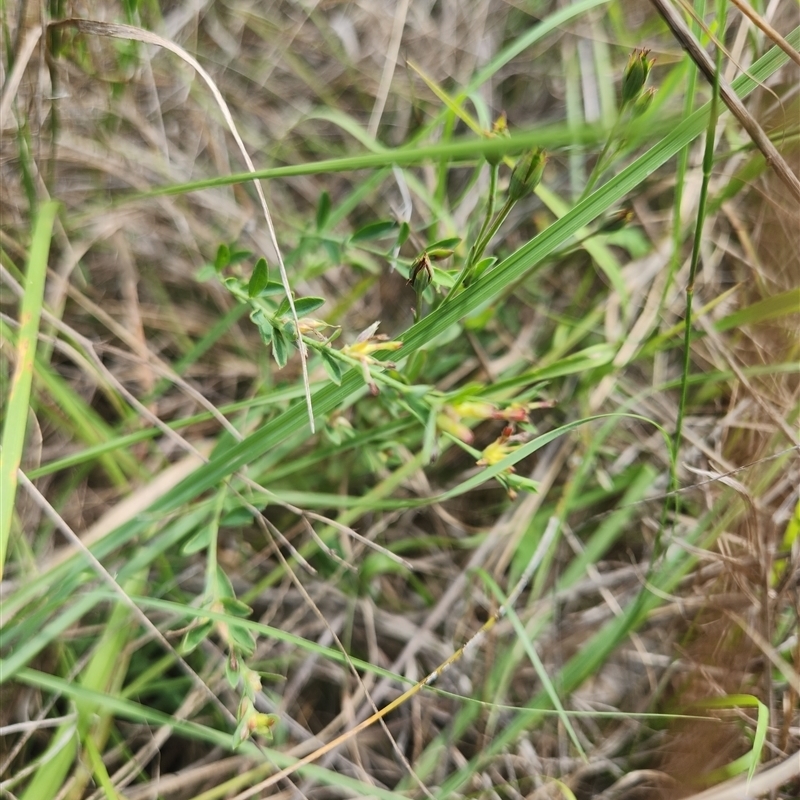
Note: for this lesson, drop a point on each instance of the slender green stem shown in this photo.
(211, 555)
(604, 159)
(682, 164)
(477, 250)
(481, 245)
(474, 255)
(708, 162)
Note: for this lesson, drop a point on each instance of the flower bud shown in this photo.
(526, 174)
(495, 452)
(474, 409)
(262, 724)
(643, 102)
(421, 273)
(635, 75)
(448, 423)
(499, 128)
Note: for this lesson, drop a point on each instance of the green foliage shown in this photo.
(522, 380)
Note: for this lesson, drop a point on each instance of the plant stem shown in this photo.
(708, 162)
(477, 250)
(473, 254)
(604, 159)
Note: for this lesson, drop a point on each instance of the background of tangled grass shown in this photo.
(139, 333)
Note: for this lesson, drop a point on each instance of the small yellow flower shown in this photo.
(496, 452)
(262, 724)
(361, 350)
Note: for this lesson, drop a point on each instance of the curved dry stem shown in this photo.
(129, 32)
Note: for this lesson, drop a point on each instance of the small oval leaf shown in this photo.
(280, 348)
(243, 640)
(307, 305)
(223, 257)
(237, 256)
(236, 607)
(332, 366)
(403, 234)
(195, 635)
(206, 273)
(259, 279)
(200, 541)
(272, 288)
(232, 671)
(444, 244)
(261, 321)
(236, 518)
(375, 230)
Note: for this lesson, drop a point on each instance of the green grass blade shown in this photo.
(16, 420)
(492, 285)
(541, 671)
